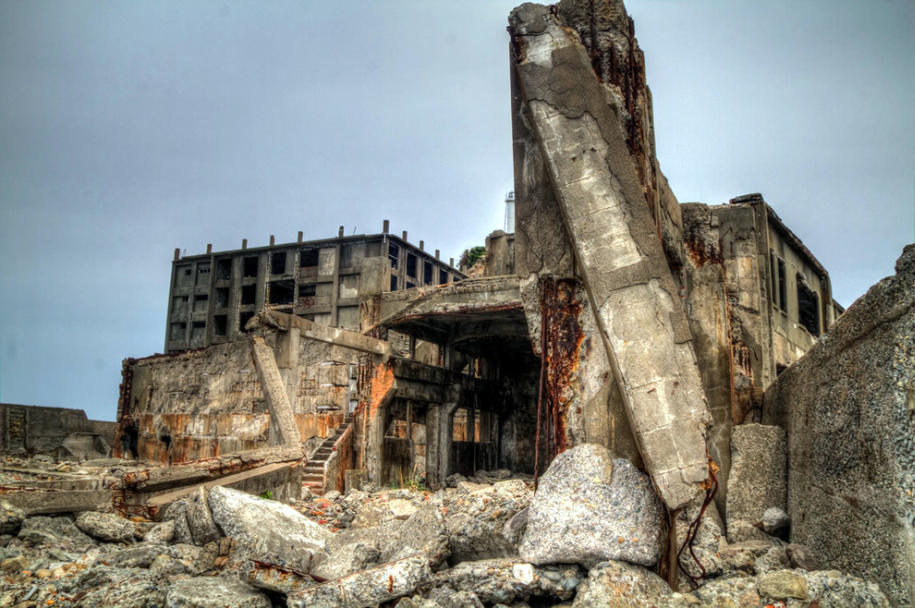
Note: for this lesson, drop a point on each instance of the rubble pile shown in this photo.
(593, 534)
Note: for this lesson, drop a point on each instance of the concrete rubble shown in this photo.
(627, 402)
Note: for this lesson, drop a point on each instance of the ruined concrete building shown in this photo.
(212, 296)
(613, 315)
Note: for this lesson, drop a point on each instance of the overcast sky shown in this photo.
(130, 128)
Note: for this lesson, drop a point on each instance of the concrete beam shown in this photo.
(621, 261)
(274, 391)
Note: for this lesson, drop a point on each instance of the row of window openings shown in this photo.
(428, 269)
(251, 265)
(808, 301)
(220, 325)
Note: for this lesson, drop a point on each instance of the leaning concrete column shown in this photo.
(275, 392)
(621, 261)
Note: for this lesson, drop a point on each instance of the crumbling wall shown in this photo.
(55, 431)
(848, 407)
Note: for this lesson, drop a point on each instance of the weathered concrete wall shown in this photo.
(588, 155)
(848, 407)
(204, 403)
(61, 432)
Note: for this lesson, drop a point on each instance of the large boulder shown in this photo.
(590, 508)
(267, 531)
(53, 531)
(758, 478)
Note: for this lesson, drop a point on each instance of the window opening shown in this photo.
(308, 257)
(427, 273)
(782, 291)
(393, 282)
(200, 302)
(442, 276)
(243, 319)
(224, 269)
(808, 306)
(281, 292)
(393, 254)
(248, 294)
(346, 256)
(307, 290)
(250, 267)
(219, 324)
(278, 262)
(411, 265)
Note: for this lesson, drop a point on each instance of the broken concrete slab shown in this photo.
(267, 531)
(214, 592)
(366, 588)
(622, 262)
(106, 526)
(507, 580)
(590, 508)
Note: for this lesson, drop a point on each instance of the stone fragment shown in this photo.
(366, 588)
(268, 531)
(272, 578)
(177, 513)
(621, 585)
(105, 526)
(507, 580)
(200, 520)
(58, 532)
(782, 585)
(774, 520)
(401, 509)
(182, 560)
(706, 543)
(422, 534)
(590, 508)
(477, 516)
(116, 588)
(802, 557)
(162, 532)
(758, 478)
(356, 549)
(15, 564)
(210, 592)
(11, 518)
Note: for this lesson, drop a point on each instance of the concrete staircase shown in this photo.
(315, 471)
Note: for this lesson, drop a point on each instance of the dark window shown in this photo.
(773, 278)
(219, 325)
(308, 257)
(222, 297)
(442, 276)
(410, 285)
(307, 290)
(411, 265)
(782, 287)
(427, 273)
(346, 256)
(250, 269)
(243, 319)
(393, 282)
(199, 325)
(808, 306)
(393, 254)
(224, 269)
(248, 294)
(203, 269)
(187, 272)
(281, 292)
(278, 262)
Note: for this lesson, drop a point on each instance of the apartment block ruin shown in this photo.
(212, 296)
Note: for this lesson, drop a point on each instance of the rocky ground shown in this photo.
(590, 536)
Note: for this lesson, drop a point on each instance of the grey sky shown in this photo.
(130, 128)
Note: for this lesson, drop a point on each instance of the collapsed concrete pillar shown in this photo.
(282, 420)
(577, 124)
